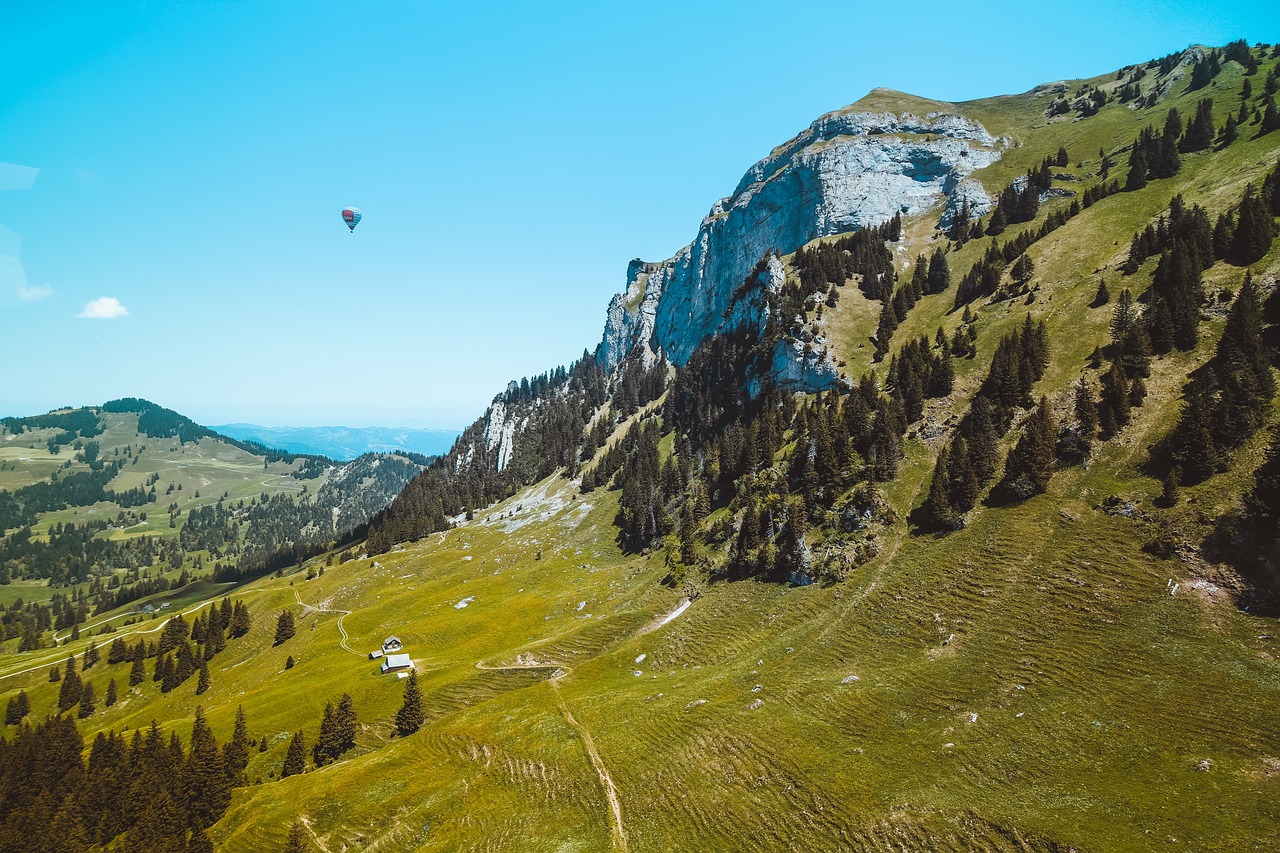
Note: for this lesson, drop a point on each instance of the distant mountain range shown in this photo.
(344, 443)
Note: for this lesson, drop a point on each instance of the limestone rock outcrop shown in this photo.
(848, 170)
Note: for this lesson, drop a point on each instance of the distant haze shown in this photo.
(343, 443)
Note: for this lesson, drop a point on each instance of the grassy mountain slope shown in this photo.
(1033, 682)
(187, 476)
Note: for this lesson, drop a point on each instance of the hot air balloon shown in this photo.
(351, 216)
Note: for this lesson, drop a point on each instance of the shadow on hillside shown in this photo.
(1252, 550)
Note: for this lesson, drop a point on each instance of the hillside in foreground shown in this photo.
(732, 594)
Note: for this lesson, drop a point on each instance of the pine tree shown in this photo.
(961, 476)
(208, 789)
(1192, 444)
(1086, 412)
(68, 828)
(90, 656)
(110, 699)
(1023, 268)
(939, 272)
(411, 715)
(1169, 491)
(884, 331)
(324, 749)
(241, 621)
(1137, 170)
(1254, 231)
(284, 627)
(69, 692)
(983, 439)
(1103, 296)
(138, 671)
(87, 701)
(18, 707)
(235, 754)
(1229, 132)
(1270, 118)
(1030, 463)
(119, 651)
(345, 724)
(295, 759)
(1199, 133)
(202, 683)
(938, 504)
(1242, 369)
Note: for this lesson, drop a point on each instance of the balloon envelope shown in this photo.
(351, 216)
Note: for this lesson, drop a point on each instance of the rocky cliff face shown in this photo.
(846, 171)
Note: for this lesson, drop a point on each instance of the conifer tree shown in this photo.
(1270, 118)
(1199, 132)
(202, 683)
(235, 754)
(1137, 170)
(1242, 369)
(1086, 412)
(1030, 463)
(939, 272)
(411, 715)
(111, 697)
(324, 749)
(1169, 490)
(938, 504)
(241, 621)
(68, 828)
(208, 789)
(1023, 268)
(17, 709)
(295, 759)
(1254, 230)
(345, 724)
(1192, 444)
(983, 438)
(88, 704)
(119, 651)
(284, 627)
(138, 671)
(90, 656)
(884, 331)
(69, 692)
(961, 477)
(1229, 132)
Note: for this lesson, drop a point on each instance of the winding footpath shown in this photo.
(309, 608)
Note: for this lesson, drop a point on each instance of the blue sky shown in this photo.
(172, 174)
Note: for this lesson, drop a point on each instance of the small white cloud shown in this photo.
(104, 308)
(34, 293)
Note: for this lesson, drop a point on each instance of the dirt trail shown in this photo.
(616, 831)
(306, 822)
(309, 608)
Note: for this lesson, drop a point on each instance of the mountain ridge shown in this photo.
(344, 443)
